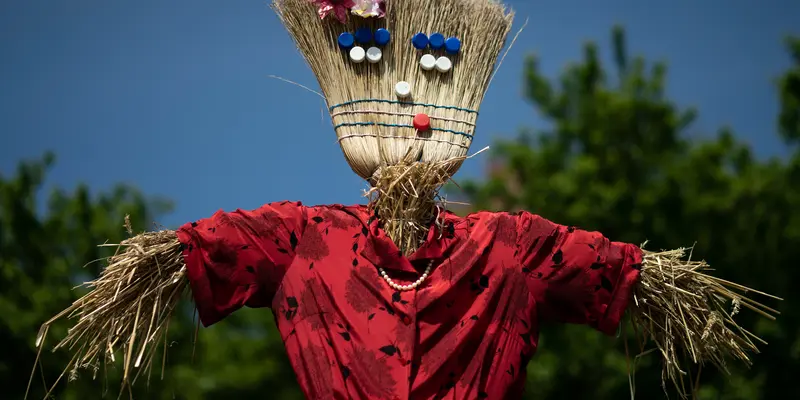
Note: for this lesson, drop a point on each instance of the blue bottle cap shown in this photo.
(420, 41)
(382, 36)
(452, 45)
(364, 35)
(437, 41)
(346, 40)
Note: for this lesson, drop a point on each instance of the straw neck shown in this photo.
(405, 201)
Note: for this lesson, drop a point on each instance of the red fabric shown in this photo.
(466, 333)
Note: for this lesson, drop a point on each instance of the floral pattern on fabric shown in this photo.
(317, 309)
(320, 373)
(467, 332)
(373, 371)
(313, 247)
(362, 289)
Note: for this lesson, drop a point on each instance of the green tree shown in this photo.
(42, 254)
(616, 157)
(41, 259)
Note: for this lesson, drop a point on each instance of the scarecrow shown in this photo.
(400, 298)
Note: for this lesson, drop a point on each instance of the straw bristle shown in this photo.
(128, 307)
(404, 196)
(374, 133)
(689, 316)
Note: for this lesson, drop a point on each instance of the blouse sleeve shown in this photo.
(239, 258)
(577, 276)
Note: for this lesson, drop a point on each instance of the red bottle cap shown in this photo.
(422, 122)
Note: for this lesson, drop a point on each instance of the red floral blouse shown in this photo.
(467, 332)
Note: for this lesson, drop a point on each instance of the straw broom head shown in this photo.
(374, 125)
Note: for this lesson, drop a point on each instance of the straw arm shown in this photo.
(128, 307)
(688, 315)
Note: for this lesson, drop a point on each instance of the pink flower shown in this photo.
(369, 8)
(338, 7)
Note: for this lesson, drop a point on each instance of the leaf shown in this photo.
(526, 338)
(510, 370)
(558, 257)
(389, 350)
(606, 284)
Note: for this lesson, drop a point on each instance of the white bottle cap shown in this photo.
(427, 62)
(357, 54)
(402, 89)
(443, 64)
(374, 54)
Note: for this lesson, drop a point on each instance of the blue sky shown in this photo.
(174, 96)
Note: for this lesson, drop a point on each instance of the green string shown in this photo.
(401, 102)
(400, 126)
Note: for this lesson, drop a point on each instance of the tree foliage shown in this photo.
(619, 157)
(43, 248)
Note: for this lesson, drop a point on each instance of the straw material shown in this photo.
(128, 309)
(689, 316)
(378, 133)
(405, 198)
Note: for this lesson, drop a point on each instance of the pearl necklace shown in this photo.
(410, 286)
